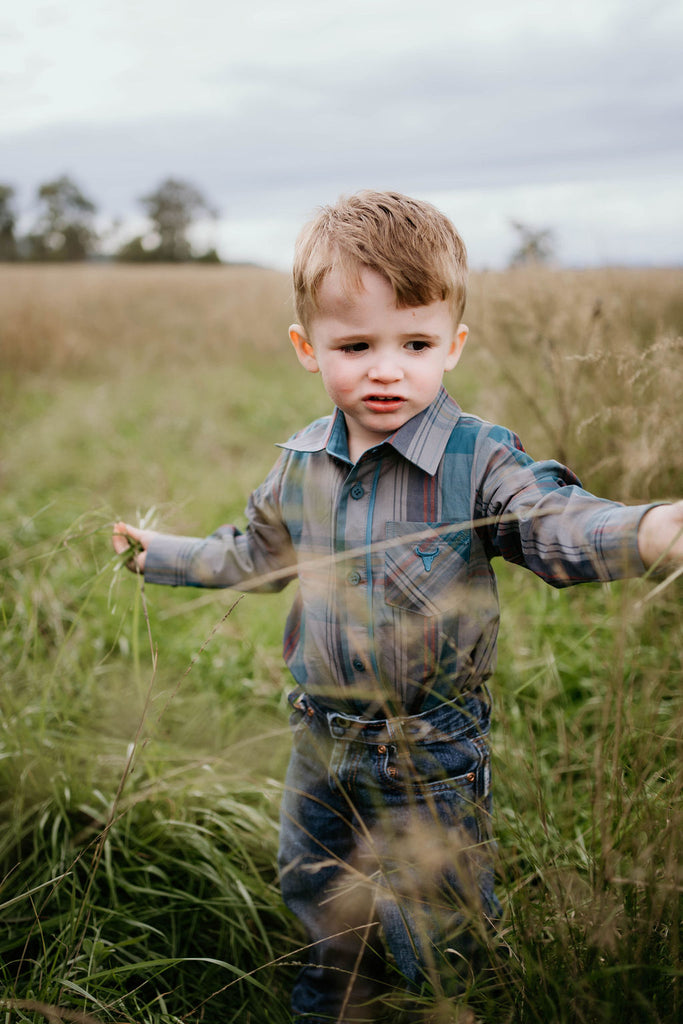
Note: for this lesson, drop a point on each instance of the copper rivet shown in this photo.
(381, 749)
(310, 712)
(470, 776)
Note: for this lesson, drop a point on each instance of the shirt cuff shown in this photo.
(617, 541)
(170, 559)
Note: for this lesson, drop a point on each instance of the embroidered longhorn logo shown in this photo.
(427, 556)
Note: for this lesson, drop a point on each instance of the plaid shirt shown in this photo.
(397, 607)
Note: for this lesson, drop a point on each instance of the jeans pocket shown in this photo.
(447, 762)
(454, 774)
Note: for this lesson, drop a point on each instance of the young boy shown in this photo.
(388, 513)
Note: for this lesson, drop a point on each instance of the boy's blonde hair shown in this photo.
(411, 243)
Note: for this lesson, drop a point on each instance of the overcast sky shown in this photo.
(560, 115)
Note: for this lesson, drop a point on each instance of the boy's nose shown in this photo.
(385, 370)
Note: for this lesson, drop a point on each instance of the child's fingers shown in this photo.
(126, 528)
(122, 536)
(129, 540)
(119, 539)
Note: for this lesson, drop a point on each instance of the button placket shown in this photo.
(355, 506)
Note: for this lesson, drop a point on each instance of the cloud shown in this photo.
(421, 121)
(284, 108)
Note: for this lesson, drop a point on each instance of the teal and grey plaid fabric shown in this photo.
(396, 605)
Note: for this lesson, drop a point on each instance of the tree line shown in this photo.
(64, 227)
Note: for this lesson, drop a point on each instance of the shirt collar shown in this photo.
(422, 440)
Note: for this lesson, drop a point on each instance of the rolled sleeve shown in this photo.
(262, 558)
(227, 558)
(617, 541)
(173, 560)
(545, 520)
(574, 537)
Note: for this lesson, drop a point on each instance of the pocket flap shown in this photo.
(424, 573)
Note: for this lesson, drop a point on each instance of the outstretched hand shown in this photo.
(127, 538)
(660, 535)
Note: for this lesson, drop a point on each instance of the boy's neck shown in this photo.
(359, 444)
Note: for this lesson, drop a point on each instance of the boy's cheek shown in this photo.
(336, 385)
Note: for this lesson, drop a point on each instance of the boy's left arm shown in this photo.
(660, 535)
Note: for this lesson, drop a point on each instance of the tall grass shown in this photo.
(144, 733)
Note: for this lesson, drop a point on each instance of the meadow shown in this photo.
(144, 730)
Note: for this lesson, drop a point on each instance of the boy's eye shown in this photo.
(356, 346)
(417, 346)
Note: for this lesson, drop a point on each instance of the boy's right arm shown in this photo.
(130, 538)
(261, 558)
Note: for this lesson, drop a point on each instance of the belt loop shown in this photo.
(394, 729)
(336, 725)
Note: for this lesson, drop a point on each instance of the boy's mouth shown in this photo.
(384, 403)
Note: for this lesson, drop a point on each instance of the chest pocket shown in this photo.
(425, 567)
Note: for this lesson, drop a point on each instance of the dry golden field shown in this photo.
(141, 758)
(586, 365)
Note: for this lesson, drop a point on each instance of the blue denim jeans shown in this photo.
(385, 838)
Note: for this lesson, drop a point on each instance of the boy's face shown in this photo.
(380, 364)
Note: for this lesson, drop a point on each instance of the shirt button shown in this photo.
(357, 491)
(358, 665)
(353, 578)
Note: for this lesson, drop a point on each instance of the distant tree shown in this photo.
(534, 246)
(8, 220)
(135, 251)
(64, 228)
(172, 208)
(210, 256)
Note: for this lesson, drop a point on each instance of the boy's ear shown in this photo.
(457, 345)
(303, 348)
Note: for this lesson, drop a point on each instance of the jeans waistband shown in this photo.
(470, 715)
